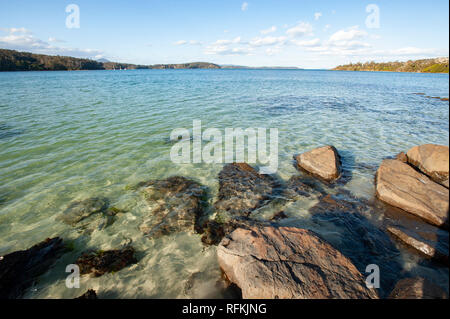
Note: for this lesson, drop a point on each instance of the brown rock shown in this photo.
(90, 294)
(417, 288)
(399, 185)
(286, 262)
(432, 160)
(322, 162)
(436, 248)
(402, 157)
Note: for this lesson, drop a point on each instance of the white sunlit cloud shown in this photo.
(22, 39)
(317, 15)
(268, 40)
(301, 29)
(270, 30)
(244, 6)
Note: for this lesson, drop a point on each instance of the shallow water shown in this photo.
(68, 136)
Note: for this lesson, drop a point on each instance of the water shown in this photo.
(68, 136)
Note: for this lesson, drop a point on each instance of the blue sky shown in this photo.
(302, 33)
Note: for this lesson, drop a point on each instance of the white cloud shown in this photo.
(223, 42)
(270, 30)
(326, 27)
(227, 50)
(317, 15)
(268, 40)
(180, 42)
(307, 43)
(413, 51)
(244, 6)
(301, 29)
(22, 39)
(55, 40)
(348, 34)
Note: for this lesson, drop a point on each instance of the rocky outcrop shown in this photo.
(180, 206)
(79, 210)
(417, 288)
(433, 244)
(432, 160)
(90, 294)
(400, 185)
(100, 262)
(242, 189)
(323, 162)
(18, 270)
(285, 262)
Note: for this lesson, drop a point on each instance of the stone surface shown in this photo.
(101, 262)
(90, 294)
(180, 206)
(417, 288)
(432, 160)
(400, 185)
(346, 222)
(433, 244)
(79, 210)
(242, 189)
(323, 162)
(18, 270)
(285, 262)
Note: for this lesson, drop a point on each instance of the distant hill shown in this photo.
(11, 60)
(437, 65)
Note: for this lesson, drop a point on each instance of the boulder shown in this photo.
(242, 189)
(433, 244)
(432, 160)
(285, 262)
(79, 210)
(100, 262)
(417, 288)
(400, 185)
(90, 294)
(323, 162)
(180, 206)
(18, 270)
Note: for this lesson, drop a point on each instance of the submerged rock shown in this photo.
(100, 262)
(79, 210)
(90, 294)
(432, 160)
(355, 236)
(299, 186)
(323, 162)
(417, 288)
(400, 185)
(285, 262)
(242, 189)
(180, 208)
(431, 243)
(18, 270)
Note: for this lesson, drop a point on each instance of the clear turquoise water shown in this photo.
(68, 136)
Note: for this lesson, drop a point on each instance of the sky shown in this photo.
(299, 33)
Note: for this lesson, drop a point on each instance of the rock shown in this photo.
(323, 162)
(344, 221)
(402, 157)
(299, 186)
(279, 215)
(18, 270)
(399, 185)
(435, 247)
(79, 210)
(432, 160)
(101, 262)
(285, 262)
(90, 294)
(242, 189)
(417, 288)
(180, 208)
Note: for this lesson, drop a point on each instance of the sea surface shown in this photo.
(68, 136)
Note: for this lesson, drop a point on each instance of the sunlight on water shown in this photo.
(68, 136)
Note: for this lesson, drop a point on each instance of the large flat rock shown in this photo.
(417, 288)
(286, 262)
(432, 160)
(400, 185)
(322, 162)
